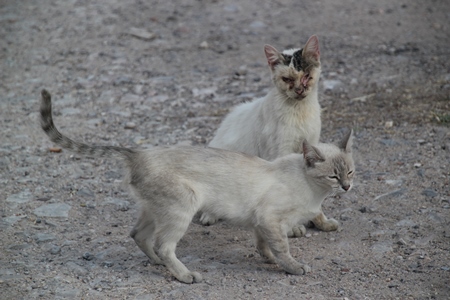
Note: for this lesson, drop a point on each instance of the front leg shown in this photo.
(325, 224)
(278, 243)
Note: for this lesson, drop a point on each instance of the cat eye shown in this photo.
(350, 172)
(287, 79)
(333, 177)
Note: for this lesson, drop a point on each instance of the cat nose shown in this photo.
(299, 91)
(346, 187)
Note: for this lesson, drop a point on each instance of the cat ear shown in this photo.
(311, 48)
(273, 56)
(311, 154)
(347, 142)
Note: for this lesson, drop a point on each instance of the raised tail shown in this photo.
(58, 138)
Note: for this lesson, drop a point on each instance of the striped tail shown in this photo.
(58, 138)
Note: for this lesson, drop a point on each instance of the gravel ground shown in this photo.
(148, 73)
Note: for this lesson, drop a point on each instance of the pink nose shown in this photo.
(346, 187)
(299, 91)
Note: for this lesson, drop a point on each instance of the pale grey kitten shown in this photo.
(174, 183)
(272, 126)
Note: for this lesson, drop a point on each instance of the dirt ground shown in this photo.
(147, 73)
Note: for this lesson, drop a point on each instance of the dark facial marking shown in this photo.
(297, 60)
(286, 59)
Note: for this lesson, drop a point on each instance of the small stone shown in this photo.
(141, 33)
(55, 250)
(331, 84)
(308, 235)
(421, 142)
(21, 197)
(60, 210)
(88, 256)
(108, 264)
(401, 242)
(204, 45)
(257, 24)
(417, 165)
(388, 124)
(429, 193)
(393, 194)
(44, 237)
(130, 125)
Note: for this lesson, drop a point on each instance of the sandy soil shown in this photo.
(148, 73)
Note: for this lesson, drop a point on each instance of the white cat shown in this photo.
(174, 183)
(272, 126)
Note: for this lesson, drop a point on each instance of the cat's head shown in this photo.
(331, 165)
(295, 72)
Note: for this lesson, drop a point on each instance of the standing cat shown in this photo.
(173, 183)
(272, 126)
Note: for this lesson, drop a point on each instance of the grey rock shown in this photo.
(88, 256)
(11, 220)
(388, 142)
(331, 84)
(257, 25)
(405, 223)
(22, 197)
(57, 210)
(122, 205)
(55, 250)
(429, 193)
(67, 293)
(76, 269)
(86, 193)
(19, 247)
(392, 194)
(43, 237)
(379, 249)
(130, 125)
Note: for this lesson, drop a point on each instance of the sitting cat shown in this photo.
(275, 125)
(173, 183)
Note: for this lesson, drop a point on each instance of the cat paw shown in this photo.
(191, 277)
(330, 225)
(306, 269)
(207, 220)
(297, 231)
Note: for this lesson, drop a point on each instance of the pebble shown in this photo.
(57, 210)
(44, 237)
(130, 125)
(392, 194)
(331, 84)
(22, 197)
(257, 25)
(417, 165)
(55, 250)
(141, 33)
(85, 192)
(382, 248)
(204, 45)
(429, 193)
(88, 256)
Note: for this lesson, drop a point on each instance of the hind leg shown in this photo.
(143, 234)
(168, 232)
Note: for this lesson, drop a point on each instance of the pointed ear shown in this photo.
(311, 48)
(347, 142)
(273, 56)
(311, 154)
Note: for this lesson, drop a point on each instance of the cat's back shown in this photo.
(189, 159)
(236, 132)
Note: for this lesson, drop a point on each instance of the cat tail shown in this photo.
(58, 138)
